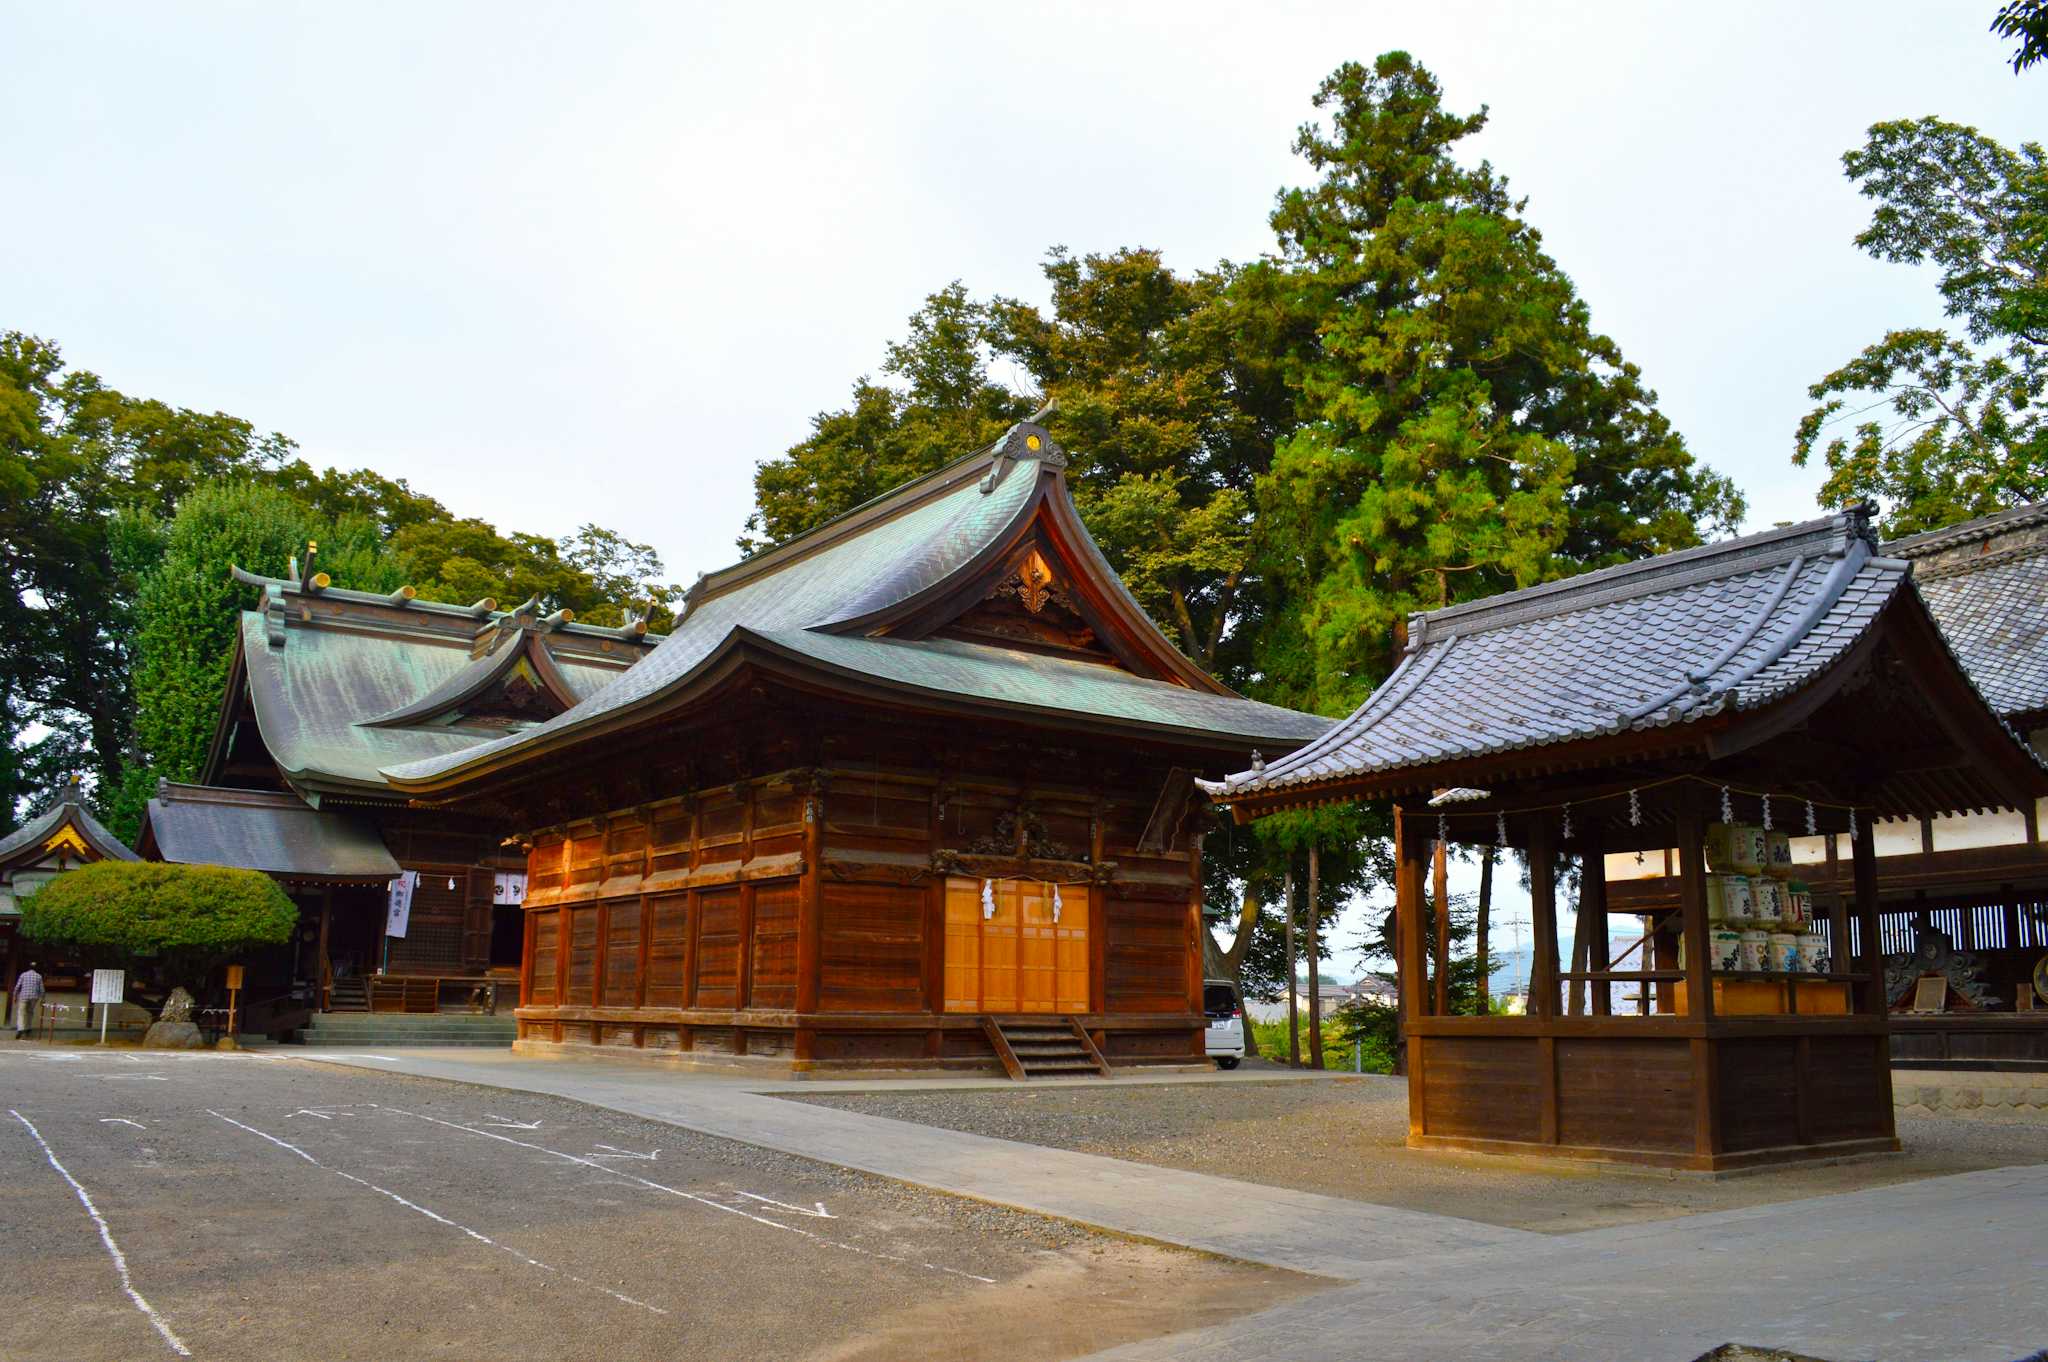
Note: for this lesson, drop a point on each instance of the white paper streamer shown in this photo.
(988, 899)
(1055, 903)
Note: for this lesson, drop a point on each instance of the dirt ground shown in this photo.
(1347, 1137)
(271, 1210)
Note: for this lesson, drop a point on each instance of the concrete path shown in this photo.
(1300, 1231)
(1946, 1268)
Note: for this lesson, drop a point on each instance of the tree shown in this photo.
(947, 406)
(1462, 428)
(188, 611)
(74, 455)
(2027, 21)
(1962, 434)
(1169, 395)
(176, 923)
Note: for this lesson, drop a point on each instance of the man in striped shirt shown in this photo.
(28, 999)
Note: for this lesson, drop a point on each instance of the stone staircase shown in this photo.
(1043, 1047)
(362, 1030)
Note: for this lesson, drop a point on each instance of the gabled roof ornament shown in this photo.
(1025, 440)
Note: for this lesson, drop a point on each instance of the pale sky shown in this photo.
(591, 263)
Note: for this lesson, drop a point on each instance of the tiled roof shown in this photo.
(1646, 645)
(275, 832)
(1986, 581)
(69, 809)
(811, 596)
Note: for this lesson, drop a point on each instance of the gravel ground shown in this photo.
(271, 1209)
(1347, 1137)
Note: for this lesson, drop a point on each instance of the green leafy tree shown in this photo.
(947, 405)
(188, 610)
(2024, 21)
(1960, 431)
(173, 923)
(1463, 428)
(74, 453)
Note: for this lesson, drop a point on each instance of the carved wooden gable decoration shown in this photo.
(1030, 605)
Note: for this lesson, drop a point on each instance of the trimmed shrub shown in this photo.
(175, 921)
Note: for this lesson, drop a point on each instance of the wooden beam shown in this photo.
(1412, 972)
(1870, 960)
(1593, 920)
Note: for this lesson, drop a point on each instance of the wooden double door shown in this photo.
(1017, 951)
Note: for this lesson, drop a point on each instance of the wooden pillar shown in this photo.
(1870, 960)
(809, 916)
(1692, 907)
(1593, 922)
(1315, 955)
(1440, 891)
(1408, 957)
(1871, 965)
(1543, 915)
(1294, 967)
(323, 970)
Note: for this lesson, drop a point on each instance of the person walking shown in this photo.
(28, 999)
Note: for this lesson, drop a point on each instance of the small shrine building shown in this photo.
(1715, 701)
(62, 837)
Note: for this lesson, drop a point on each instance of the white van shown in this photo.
(1225, 1039)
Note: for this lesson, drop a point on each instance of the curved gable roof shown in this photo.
(28, 841)
(865, 577)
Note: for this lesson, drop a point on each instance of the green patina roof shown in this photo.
(328, 677)
(811, 599)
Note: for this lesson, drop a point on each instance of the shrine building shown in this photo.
(911, 791)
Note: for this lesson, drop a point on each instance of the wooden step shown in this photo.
(1049, 1046)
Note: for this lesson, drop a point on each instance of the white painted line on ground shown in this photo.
(687, 1196)
(503, 1124)
(618, 1153)
(302, 1111)
(435, 1215)
(819, 1214)
(107, 1238)
(121, 1121)
(140, 1078)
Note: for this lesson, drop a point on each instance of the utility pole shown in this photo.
(1293, 1007)
(1315, 957)
(1485, 911)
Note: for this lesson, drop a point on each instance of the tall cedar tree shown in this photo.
(1964, 432)
(1464, 430)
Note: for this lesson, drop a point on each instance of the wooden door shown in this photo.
(1016, 959)
(1037, 949)
(999, 941)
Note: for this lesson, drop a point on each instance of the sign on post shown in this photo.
(109, 986)
(400, 911)
(234, 977)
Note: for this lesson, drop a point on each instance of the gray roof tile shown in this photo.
(1663, 642)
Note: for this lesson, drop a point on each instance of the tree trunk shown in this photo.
(1315, 957)
(1293, 992)
(1479, 947)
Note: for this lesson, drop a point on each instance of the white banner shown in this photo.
(400, 912)
(109, 985)
(508, 886)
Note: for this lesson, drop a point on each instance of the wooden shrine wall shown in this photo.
(801, 915)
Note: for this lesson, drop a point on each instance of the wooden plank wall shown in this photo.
(716, 920)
